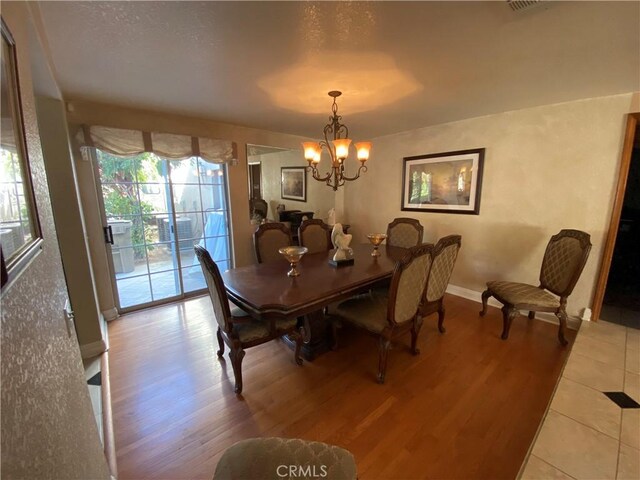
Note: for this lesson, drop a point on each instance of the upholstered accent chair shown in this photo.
(445, 254)
(268, 239)
(258, 207)
(285, 458)
(404, 232)
(237, 329)
(563, 262)
(388, 316)
(315, 235)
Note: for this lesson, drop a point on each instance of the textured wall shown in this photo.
(546, 168)
(48, 429)
(320, 198)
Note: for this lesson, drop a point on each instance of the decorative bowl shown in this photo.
(376, 239)
(293, 255)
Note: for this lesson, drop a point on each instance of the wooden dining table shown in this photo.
(265, 291)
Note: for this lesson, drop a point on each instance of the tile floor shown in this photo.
(585, 435)
(92, 367)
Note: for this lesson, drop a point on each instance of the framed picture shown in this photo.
(294, 183)
(448, 182)
(20, 234)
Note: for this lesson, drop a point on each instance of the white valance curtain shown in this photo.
(123, 142)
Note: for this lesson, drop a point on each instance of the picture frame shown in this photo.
(446, 182)
(20, 231)
(294, 183)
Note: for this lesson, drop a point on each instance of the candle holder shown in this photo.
(376, 239)
(293, 255)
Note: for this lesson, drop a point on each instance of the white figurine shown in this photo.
(341, 243)
(331, 218)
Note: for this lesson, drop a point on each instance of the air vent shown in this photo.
(523, 5)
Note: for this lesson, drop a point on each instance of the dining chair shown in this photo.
(445, 254)
(390, 316)
(315, 235)
(404, 232)
(237, 329)
(563, 262)
(275, 458)
(268, 239)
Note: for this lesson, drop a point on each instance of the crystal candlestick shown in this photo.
(293, 256)
(376, 239)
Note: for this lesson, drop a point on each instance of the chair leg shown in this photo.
(383, 348)
(237, 354)
(298, 337)
(562, 316)
(441, 317)
(485, 296)
(220, 343)
(415, 331)
(508, 314)
(532, 315)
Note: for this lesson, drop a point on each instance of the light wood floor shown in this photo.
(467, 407)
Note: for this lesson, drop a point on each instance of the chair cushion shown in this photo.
(368, 311)
(272, 459)
(256, 329)
(523, 294)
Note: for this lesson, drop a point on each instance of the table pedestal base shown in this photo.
(319, 330)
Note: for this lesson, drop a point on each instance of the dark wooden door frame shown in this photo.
(633, 119)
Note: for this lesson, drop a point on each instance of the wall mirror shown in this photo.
(19, 227)
(278, 185)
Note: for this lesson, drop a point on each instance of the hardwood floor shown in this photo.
(467, 407)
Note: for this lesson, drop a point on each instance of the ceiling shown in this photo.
(401, 65)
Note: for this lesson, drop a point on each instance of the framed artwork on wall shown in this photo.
(448, 182)
(20, 234)
(294, 183)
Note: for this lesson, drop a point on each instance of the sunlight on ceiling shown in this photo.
(367, 81)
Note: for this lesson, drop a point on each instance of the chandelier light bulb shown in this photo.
(311, 149)
(363, 149)
(341, 146)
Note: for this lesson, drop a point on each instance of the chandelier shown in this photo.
(338, 150)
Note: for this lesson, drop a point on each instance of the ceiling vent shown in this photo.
(524, 5)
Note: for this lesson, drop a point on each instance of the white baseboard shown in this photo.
(572, 322)
(110, 314)
(92, 349)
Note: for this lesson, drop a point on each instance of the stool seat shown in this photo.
(285, 458)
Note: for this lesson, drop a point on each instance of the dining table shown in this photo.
(265, 291)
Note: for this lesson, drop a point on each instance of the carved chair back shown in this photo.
(404, 232)
(564, 260)
(315, 235)
(445, 254)
(408, 283)
(216, 288)
(268, 239)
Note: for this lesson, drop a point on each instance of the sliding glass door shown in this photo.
(155, 211)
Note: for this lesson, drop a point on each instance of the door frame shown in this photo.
(633, 120)
(252, 179)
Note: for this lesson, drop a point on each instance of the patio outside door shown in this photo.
(154, 212)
